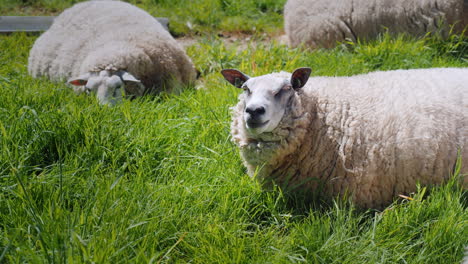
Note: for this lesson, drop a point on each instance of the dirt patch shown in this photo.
(240, 40)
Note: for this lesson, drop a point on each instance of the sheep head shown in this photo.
(266, 97)
(107, 84)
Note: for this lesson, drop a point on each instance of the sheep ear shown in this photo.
(235, 77)
(299, 77)
(79, 81)
(128, 77)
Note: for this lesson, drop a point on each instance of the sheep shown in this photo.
(320, 23)
(465, 258)
(110, 46)
(368, 137)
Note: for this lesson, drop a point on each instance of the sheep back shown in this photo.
(91, 36)
(370, 136)
(319, 23)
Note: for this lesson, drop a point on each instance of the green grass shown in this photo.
(187, 17)
(157, 180)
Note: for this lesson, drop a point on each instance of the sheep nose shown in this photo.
(255, 111)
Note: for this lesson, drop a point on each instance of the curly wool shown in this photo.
(319, 23)
(371, 136)
(97, 35)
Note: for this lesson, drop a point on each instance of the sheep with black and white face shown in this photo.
(371, 136)
(265, 103)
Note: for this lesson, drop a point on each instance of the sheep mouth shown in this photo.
(253, 125)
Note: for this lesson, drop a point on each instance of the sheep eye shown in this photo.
(246, 89)
(280, 91)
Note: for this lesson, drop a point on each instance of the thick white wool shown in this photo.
(95, 35)
(372, 136)
(321, 23)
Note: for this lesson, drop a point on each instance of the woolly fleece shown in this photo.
(320, 23)
(98, 35)
(370, 136)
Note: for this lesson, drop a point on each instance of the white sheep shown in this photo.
(321, 23)
(465, 258)
(372, 136)
(110, 46)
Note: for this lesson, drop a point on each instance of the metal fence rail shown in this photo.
(40, 23)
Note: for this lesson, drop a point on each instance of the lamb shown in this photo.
(110, 46)
(320, 23)
(368, 137)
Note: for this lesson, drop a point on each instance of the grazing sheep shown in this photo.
(104, 46)
(320, 23)
(370, 136)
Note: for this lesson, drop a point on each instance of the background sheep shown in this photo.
(320, 23)
(374, 135)
(102, 45)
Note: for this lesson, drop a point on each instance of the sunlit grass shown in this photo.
(187, 17)
(158, 180)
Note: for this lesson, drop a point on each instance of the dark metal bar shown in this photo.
(41, 23)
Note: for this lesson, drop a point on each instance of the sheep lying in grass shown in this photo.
(372, 136)
(108, 46)
(320, 23)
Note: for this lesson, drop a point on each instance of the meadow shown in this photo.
(157, 179)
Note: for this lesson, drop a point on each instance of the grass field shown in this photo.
(186, 16)
(157, 180)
